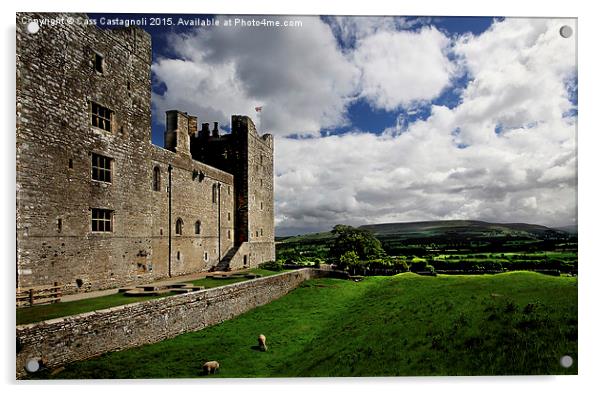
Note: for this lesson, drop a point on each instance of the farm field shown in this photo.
(505, 324)
(449, 247)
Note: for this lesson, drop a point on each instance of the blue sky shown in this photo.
(387, 119)
(361, 115)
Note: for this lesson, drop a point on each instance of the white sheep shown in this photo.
(262, 344)
(210, 367)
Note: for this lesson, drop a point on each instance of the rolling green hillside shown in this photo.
(428, 229)
(506, 324)
(459, 227)
(420, 238)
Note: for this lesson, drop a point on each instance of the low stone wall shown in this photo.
(65, 340)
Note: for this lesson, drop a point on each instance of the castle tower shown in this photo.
(249, 158)
(252, 166)
(179, 128)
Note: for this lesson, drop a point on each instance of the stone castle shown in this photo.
(98, 205)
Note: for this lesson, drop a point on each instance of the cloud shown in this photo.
(401, 68)
(303, 77)
(520, 70)
(298, 75)
(506, 153)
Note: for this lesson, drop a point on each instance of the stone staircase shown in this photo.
(224, 264)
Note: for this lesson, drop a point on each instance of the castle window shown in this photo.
(71, 163)
(206, 257)
(260, 182)
(256, 233)
(261, 205)
(99, 63)
(102, 220)
(229, 216)
(214, 194)
(178, 255)
(101, 116)
(101, 168)
(197, 228)
(229, 234)
(179, 225)
(261, 231)
(59, 225)
(156, 179)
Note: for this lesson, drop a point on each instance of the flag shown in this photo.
(258, 108)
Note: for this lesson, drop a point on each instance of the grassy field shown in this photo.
(511, 323)
(212, 283)
(428, 239)
(57, 310)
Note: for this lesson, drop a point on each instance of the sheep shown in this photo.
(210, 367)
(261, 341)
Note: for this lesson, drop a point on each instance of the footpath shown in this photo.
(159, 283)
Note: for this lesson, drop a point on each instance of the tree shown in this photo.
(349, 261)
(360, 241)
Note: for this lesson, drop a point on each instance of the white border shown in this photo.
(589, 164)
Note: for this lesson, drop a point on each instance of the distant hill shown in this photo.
(572, 229)
(458, 227)
(450, 234)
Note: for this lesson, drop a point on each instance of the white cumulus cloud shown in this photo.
(400, 68)
(297, 74)
(505, 153)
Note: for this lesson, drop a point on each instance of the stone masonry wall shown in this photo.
(65, 340)
(261, 198)
(191, 202)
(56, 86)
(57, 83)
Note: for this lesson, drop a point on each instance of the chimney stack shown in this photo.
(215, 130)
(205, 130)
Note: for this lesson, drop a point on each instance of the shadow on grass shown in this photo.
(405, 325)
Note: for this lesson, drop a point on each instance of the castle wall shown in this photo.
(251, 254)
(261, 198)
(192, 201)
(65, 340)
(56, 83)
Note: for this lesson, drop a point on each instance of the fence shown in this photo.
(38, 295)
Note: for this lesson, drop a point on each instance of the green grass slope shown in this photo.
(507, 324)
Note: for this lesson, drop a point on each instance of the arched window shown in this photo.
(156, 179)
(197, 228)
(179, 225)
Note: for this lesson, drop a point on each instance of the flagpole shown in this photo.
(258, 111)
